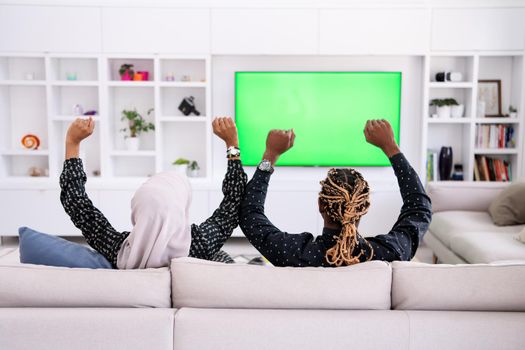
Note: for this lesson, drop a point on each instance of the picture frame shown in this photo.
(489, 91)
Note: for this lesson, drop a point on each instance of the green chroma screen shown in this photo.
(328, 111)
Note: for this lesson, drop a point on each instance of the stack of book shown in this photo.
(495, 136)
(492, 169)
(432, 165)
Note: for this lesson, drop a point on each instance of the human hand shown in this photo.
(278, 142)
(379, 133)
(225, 128)
(79, 130)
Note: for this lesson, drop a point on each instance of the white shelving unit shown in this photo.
(460, 133)
(38, 92)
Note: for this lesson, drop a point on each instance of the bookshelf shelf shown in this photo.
(449, 121)
(495, 151)
(470, 136)
(451, 85)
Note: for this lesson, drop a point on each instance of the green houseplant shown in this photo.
(194, 169)
(126, 72)
(513, 112)
(444, 107)
(181, 166)
(136, 126)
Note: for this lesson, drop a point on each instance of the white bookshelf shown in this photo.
(37, 95)
(460, 133)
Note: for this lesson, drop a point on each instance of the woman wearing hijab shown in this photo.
(159, 209)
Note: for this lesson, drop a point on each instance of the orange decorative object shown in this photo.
(30, 141)
(137, 76)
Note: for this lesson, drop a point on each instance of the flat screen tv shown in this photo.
(327, 110)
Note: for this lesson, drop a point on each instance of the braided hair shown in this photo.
(345, 198)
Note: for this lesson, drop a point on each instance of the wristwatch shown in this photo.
(233, 152)
(266, 165)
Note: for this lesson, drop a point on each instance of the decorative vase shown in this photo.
(457, 111)
(513, 114)
(132, 143)
(443, 112)
(181, 168)
(126, 75)
(193, 172)
(445, 163)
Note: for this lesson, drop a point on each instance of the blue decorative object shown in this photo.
(43, 249)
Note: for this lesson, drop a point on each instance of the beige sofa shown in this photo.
(462, 230)
(203, 305)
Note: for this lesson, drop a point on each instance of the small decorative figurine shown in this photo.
(30, 141)
(35, 172)
(78, 110)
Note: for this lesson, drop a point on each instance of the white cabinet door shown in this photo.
(156, 30)
(369, 31)
(478, 29)
(49, 28)
(37, 209)
(264, 31)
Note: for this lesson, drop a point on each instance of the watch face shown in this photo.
(265, 165)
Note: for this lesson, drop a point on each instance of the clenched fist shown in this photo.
(379, 133)
(225, 128)
(79, 130)
(278, 142)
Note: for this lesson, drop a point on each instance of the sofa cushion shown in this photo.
(41, 286)
(44, 249)
(418, 286)
(487, 247)
(86, 329)
(199, 283)
(509, 206)
(454, 195)
(234, 329)
(448, 224)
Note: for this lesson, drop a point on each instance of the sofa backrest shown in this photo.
(42, 286)
(483, 287)
(204, 284)
(463, 196)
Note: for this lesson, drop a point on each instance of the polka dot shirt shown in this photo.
(305, 249)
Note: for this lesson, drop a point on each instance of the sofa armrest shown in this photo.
(464, 196)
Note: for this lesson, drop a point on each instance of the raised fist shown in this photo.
(79, 130)
(225, 128)
(279, 141)
(379, 133)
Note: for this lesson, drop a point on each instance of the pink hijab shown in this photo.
(161, 227)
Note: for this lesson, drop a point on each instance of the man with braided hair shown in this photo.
(343, 200)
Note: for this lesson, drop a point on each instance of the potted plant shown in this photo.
(513, 112)
(456, 109)
(444, 107)
(126, 72)
(193, 169)
(136, 125)
(181, 166)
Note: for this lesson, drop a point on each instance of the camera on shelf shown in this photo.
(187, 106)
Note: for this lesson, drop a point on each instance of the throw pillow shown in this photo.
(509, 206)
(43, 249)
